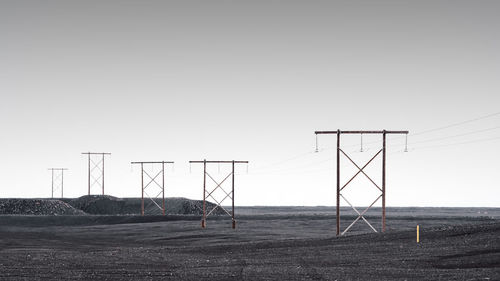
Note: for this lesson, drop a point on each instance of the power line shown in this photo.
(291, 169)
(450, 137)
(459, 135)
(442, 127)
(457, 124)
(264, 169)
(459, 143)
(297, 156)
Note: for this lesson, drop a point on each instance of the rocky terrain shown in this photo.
(101, 205)
(291, 244)
(37, 207)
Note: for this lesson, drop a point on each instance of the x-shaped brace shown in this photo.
(360, 170)
(57, 182)
(153, 180)
(360, 215)
(152, 200)
(95, 165)
(219, 185)
(96, 180)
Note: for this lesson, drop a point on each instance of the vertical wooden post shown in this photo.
(204, 191)
(52, 183)
(338, 182)
(163, 185)
(142, 189)
(383, 179)
(232, 196)
(62, 183)
(89, 172)
(103, 174)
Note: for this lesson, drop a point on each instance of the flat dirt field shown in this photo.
(281, 243)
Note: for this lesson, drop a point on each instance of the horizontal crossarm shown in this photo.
(360, 132)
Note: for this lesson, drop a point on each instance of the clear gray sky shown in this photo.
(252, 80)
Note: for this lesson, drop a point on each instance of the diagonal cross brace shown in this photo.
(152, 199)
(361, 169)
(96, 180)
(360, 215)
(95, 165)
(219, 185)
(219, 205)
(153, 179)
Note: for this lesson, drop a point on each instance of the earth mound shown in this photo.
(37, 207)
(109, 205)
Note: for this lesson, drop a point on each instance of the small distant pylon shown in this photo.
(209, 193)
(96, 169)
(57, 180)
(153, 178)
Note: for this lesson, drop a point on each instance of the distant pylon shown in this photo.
(153, 179)
(96, 169)
(57, 180)
(207, 194)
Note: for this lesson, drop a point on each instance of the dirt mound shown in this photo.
(37, 207)
(109, 205)
(99, 204)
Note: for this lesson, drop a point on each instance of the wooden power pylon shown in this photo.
(57, 180)
(153, 180)
(207, 194)
(381, 188)
(96, 169)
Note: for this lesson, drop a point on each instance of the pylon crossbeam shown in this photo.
(361, 169)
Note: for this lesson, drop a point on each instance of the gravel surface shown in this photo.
(37, 207)
(102, 205)
(109, 205)
(262, 247)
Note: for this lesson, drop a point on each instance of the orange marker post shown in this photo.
(418, 233)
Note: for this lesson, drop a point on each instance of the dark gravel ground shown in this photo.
(268, 246)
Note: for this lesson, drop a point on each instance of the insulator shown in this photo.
(316, 150)
(406, 143)
(361, 150)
